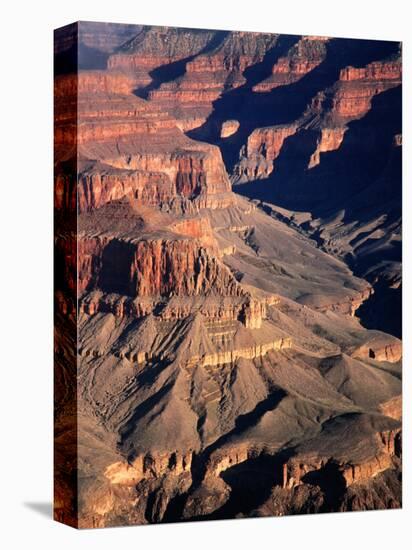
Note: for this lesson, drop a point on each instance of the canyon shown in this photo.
(227, 238)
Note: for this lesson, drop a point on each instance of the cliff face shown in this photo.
(184, 71)
(332, 142)
(306, 468)
(376, 71)
(303, 57)
(169, 305)
(330, 139)
(137, 150)
(101, 117)
(154, 47)
(153, 267)
(326, 116)
(99, 186)
(208, 75)
(262, 149)
(351, 96)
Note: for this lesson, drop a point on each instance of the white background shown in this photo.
(26, 271)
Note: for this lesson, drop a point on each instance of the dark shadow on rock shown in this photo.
(383, 310)
(362, 180)
(332, 484)
(251, 484)
(243, 422)
(116, 262)
(342, 179)
(284, 104)
(200, 463)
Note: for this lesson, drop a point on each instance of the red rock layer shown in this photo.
(330, 139)
(263, 147)
(66, 259)
(65, 195)
(154, 47)
(98, 186)
(351, 96)
(190, 97)
(378, 70)
(181, 268)
(105, 108)
(302, 58)
(330, 110)
(156, 161)
(197, 228)
(155, 267)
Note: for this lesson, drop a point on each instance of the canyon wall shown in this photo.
(221, 369)
(303, 57)
(156, 163)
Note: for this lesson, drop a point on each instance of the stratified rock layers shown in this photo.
(327, 115)
(136, 149)
(221, 367)
(303, 57)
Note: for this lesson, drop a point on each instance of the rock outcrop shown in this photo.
(229, 127)
(327, 115)
(380, 349)
(303, 57)
(340, 471)
(329, 140)
(351, 96)
(144, 466)
(153, 267)
(136, 149)
(207, 75)
(262, 149)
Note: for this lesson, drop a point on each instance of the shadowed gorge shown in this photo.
(286, 103)
(364, 204)
(228, 274)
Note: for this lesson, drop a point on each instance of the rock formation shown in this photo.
(302, 58)
(262, 149)
(218, 363)
(327, 115)
(154, 47)
(126, 146)
(208, 75)
(229, 127)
